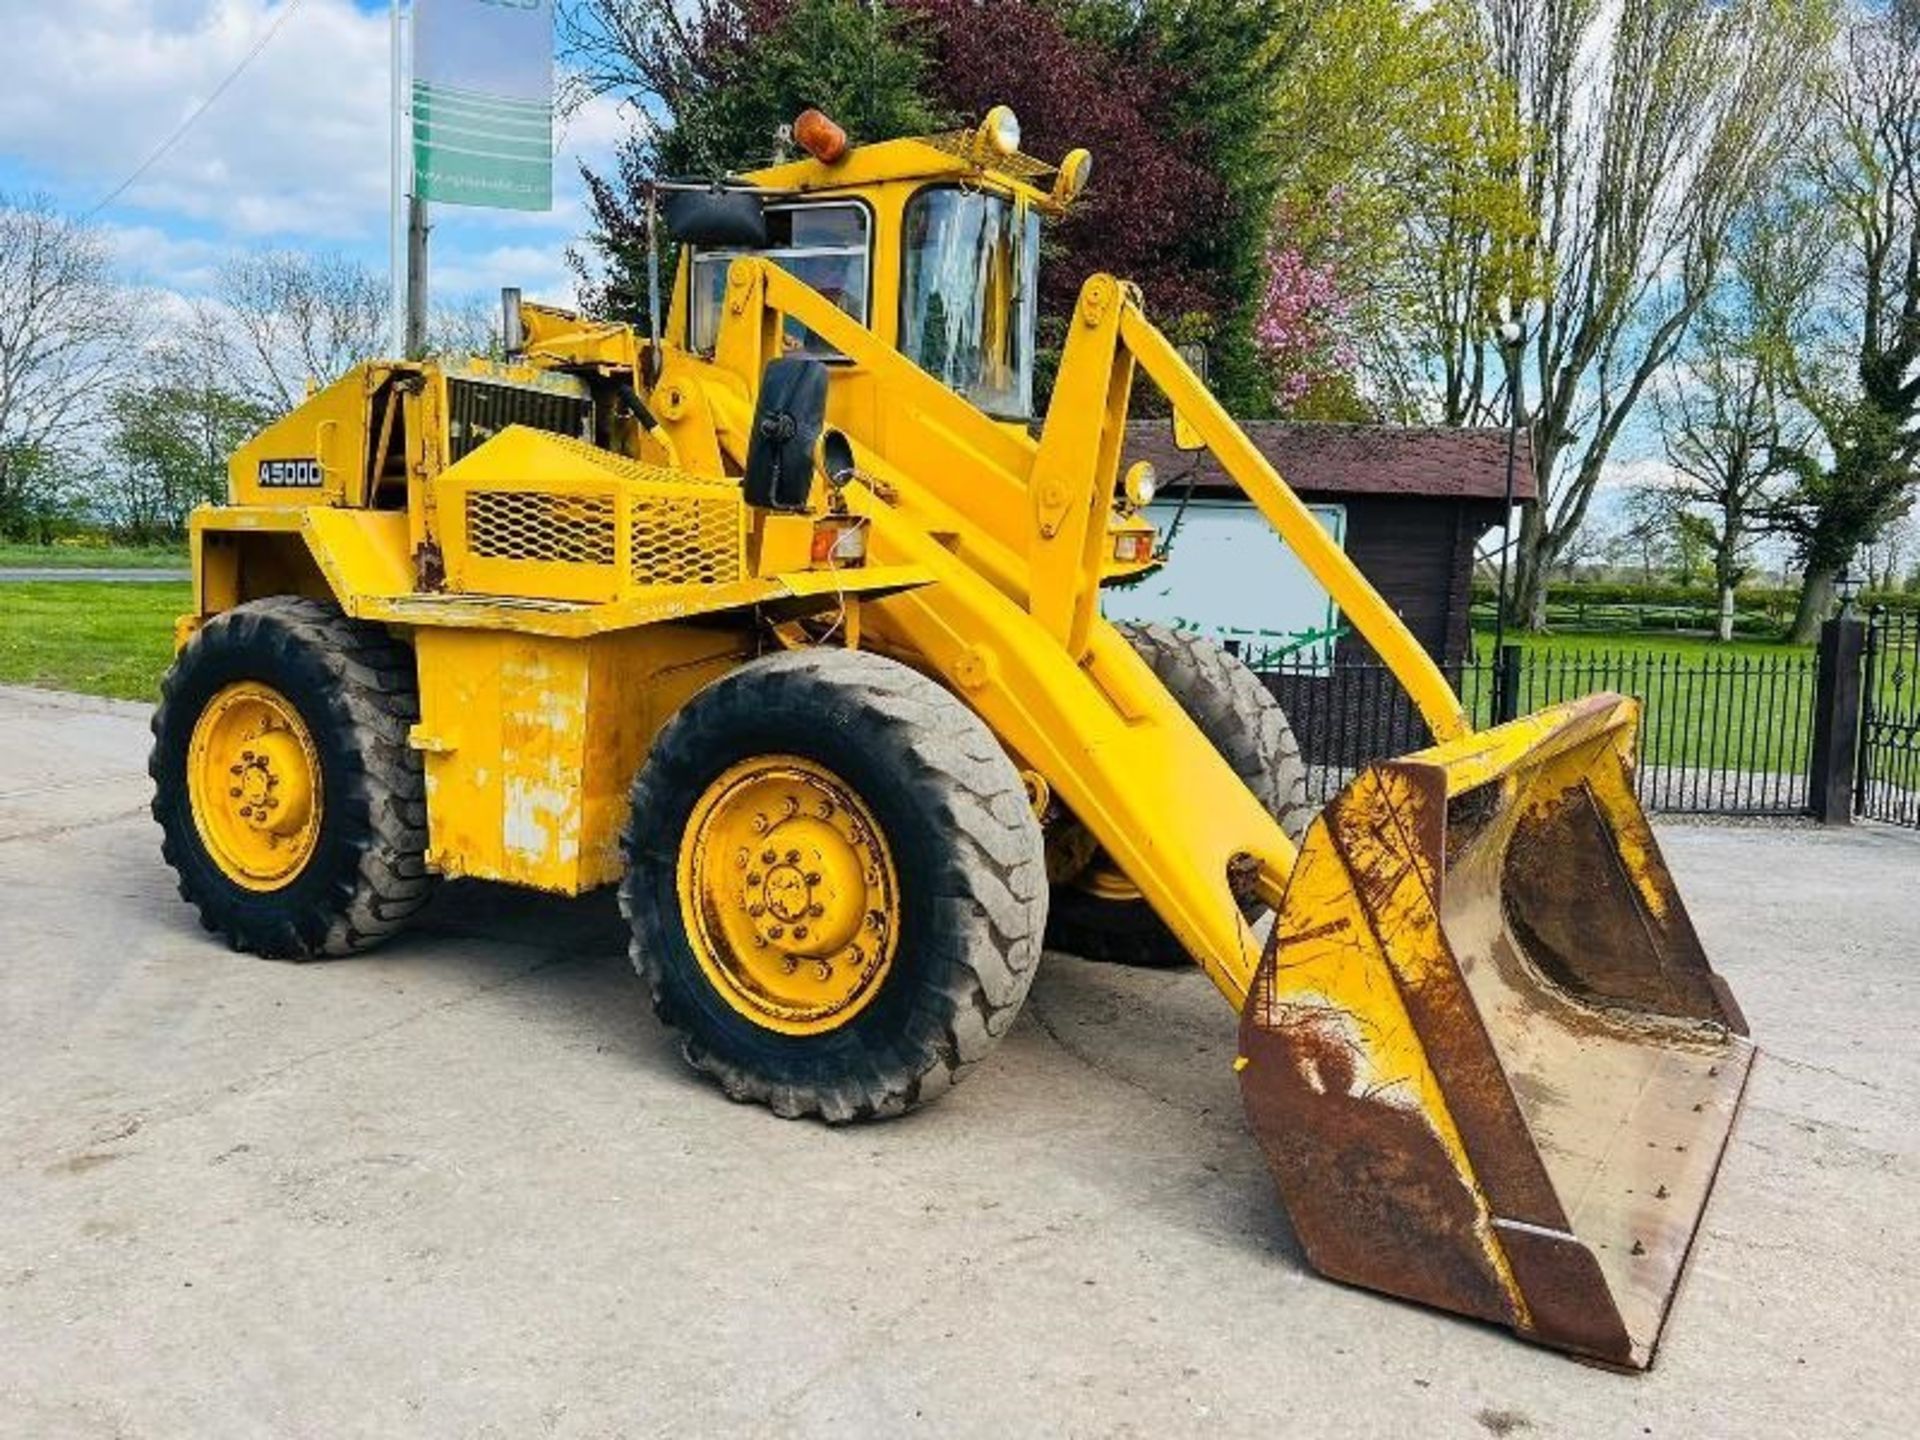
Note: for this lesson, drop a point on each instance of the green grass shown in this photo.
(75, 555)
(117, 639)
(92, 636)
(1744, 705)
(1618, 642)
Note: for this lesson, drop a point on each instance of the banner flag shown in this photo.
(483, 102)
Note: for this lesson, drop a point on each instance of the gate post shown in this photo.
(1836, 720)
(1506, 684)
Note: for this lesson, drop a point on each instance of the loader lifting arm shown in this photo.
(1488, 1060)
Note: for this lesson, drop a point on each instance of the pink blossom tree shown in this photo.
(1303, 326)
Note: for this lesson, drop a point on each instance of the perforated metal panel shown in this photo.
(542, 525)
(549, 517)
(1019, 164)
(686, 539)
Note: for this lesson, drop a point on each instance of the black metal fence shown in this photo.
(1887, 777)
(1720, 733)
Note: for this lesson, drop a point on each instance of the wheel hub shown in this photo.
(253, 779)
(790, 894)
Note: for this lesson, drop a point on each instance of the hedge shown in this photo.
(1775, 600)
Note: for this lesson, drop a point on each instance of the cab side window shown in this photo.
(824, 246)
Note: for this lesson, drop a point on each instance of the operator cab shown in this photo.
(933, 243)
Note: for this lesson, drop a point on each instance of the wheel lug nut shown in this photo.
(753, 877)
(768, 857)
(799, 932)
(234, 792)
(816, 910)
(247, 755)
(793, 857)
(236, 769)
(776, 932)
(246, 812)
(759, 824)
(756, 910)
(813, 877)
(272, 803)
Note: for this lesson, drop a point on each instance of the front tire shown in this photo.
(836, 885)
(290, 804)
(1099, 914)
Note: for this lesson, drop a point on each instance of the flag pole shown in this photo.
(397, 203)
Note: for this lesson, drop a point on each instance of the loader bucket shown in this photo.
(1488, 1061)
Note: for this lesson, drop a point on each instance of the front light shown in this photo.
(1141, 485)
(840, 541)
(1075, 171)
(1000, 131)
(1133, 547)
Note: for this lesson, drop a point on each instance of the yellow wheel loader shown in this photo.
(784, 617)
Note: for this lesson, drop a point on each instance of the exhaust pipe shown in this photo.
(513, 329)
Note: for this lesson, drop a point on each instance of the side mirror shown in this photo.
(787, 420)
(1185, 437)
(716, 219)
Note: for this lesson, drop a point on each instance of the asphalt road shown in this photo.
(466, 1187)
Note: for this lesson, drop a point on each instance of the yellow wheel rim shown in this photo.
(1104, 881)
(253, 780)
(789, 895)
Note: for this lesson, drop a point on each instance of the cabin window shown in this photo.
(827, 247)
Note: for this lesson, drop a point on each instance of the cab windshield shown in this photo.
(968, 296)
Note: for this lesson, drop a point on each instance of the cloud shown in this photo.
(294, 154)
(538, 270)
(151, 256)
(296, 146)
(1633, 474)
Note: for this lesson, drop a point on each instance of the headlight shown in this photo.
(1000, 131)
(1141, 485)
(1075, 171)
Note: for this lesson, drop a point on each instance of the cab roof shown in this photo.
(950, 155)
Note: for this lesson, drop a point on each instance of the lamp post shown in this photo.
(1847, 586)
(1513, 335)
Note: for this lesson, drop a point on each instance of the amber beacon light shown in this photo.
(820, 136)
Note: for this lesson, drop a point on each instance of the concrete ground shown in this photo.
(465, 1187)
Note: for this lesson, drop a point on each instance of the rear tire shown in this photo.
(1239, 715)
(352, 690)
(964, 878)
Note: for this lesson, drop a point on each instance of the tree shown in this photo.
(1730, 434)
(1174, 96)
(1303, 328)
(284, 318)
(1650, 128)
(1649, 535)
(168, 442)
(1888, 558)
(1398, 146)
(710, 82)
(1848, 329)
(66, 326)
